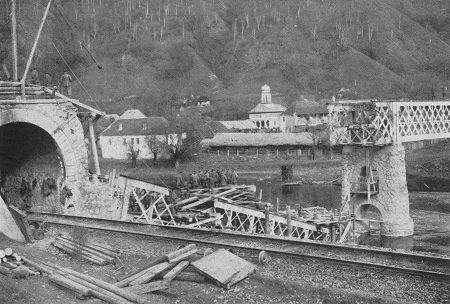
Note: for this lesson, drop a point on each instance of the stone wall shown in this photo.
(98, 200)
(392, 200)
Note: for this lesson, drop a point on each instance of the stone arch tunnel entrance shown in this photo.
(31, 167)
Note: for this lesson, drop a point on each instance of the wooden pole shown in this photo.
(14, 38)
(33, 49)
(117, 291)
(267, 217)
(5, 69)
(288, 221)
(94, 150)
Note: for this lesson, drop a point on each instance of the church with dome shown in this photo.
(268, 115)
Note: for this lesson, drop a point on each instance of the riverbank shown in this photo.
(427, 169)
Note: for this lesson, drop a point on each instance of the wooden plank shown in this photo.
(183, 256)
(172, 255)
(132, 276)
(76, 102)
(175, 271)
(151, 273)
(186, 200)
(21, 220)
(149, 287)
(106, 286)
(78, 289)
(224, 268)
(131, 182)
(344, 234)
(78, 246)
(5, 271)
(197, 203)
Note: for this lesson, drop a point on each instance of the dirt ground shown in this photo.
(262, 287)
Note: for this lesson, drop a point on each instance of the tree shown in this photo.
(133, 154)
(185, 149)
(156, 146)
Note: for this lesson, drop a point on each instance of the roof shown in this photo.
(139, 127)
(239, 124)
(132, 114)
(307, 107)
(260, 139)
(211, 128)
(268, 108)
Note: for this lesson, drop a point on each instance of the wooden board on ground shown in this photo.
(21, 220)
(224, 268)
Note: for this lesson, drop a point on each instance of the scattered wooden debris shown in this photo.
(94, 253)
(12, 265)
(222, 266)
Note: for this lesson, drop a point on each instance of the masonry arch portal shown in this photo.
(39, 166)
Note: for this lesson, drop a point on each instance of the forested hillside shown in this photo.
(154, 52)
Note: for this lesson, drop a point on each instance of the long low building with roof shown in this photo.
(260, 143)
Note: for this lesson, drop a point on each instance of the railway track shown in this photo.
(398, 261)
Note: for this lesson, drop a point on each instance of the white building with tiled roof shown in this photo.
(135, 130)
(268, 115)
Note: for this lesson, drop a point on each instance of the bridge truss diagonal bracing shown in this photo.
(370, 123)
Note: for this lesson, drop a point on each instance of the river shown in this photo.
(430, 212)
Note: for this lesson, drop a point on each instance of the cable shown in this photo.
(68, 66)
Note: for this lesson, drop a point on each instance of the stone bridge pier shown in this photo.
(391, 200)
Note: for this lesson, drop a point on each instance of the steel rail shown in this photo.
(435, 274)
(286, 240)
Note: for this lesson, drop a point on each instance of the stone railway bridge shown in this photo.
(44, 161)
(44, 154)
(373, 166)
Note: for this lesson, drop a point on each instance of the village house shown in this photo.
(268, 115)
(307, 115)
(134, 130)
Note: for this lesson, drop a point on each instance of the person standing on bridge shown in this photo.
(65, 84)
(34, 76)
(48, 80)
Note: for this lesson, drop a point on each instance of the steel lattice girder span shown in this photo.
(367, 122)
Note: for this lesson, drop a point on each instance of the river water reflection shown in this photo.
(329, 196)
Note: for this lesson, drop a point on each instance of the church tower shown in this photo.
(266, 97)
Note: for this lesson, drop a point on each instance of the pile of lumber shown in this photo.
(198, 206)
(160, 272)
(95, 253)
(188, 264)
(11, 264)
(185, 264)
(83, 285)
